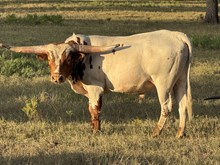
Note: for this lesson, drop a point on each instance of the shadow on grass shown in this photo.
(108, 7)
(27, 34)
(59, 103)
(83, 158)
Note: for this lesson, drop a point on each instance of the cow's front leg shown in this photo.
(95, 114)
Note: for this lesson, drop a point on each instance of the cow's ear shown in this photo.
(42, 56)
(71, 38)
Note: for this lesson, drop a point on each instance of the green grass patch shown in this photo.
(34, 19)
(31, 109)
(17, 64)
(206, 42)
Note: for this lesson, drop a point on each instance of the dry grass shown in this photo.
(129, 143)
(167, 11)
(62, 135)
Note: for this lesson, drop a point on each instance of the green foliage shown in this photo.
(69, 113)
(30, 109)
(16, 64)
(34, 19)
(206, 41)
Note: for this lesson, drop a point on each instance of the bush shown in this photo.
(30, 109)
(22, 66)
(206, 42)
(34, 19)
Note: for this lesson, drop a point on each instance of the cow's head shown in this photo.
(62, 57)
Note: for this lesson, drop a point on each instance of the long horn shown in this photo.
(41, 49)
(94, 49)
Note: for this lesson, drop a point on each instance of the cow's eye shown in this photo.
(70, 55)
(69, 59)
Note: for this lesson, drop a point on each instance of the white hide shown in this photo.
(160, 59)
(152, 58)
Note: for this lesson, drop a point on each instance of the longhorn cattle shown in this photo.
(160, 59)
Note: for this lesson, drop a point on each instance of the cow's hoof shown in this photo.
(140, 101)
(97, 132)
(156, 131)
(95, 126)
(180, 133)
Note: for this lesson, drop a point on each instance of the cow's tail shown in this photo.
(187, 40)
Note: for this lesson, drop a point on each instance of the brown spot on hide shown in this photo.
(63, 57)
(83, 66)
(90, 62)
(94, 112)
(113, 51)
(90, 59)
(66, 63)
(78, 67)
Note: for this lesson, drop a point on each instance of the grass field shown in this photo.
(44, 123)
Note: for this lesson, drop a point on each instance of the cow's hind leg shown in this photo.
(95, 114)
(165, 102)
(181, 98)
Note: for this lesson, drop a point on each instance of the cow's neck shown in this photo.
(78, 87)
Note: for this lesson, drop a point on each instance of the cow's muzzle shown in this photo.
(57, 78)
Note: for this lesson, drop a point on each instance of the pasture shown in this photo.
(45, 123)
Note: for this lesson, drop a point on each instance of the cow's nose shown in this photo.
(60, 78)
(57, 78)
